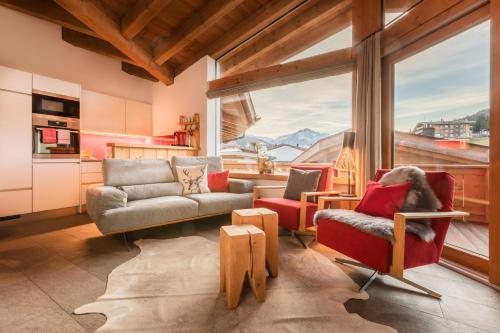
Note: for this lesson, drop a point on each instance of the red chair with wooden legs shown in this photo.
(379, 254)
(295, 215)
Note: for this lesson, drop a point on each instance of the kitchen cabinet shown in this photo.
(15, 80)
(140, 152)
(15, 202)
(91, 176)
(56, 87)
(102, 113)
(138, 118)
(15, 141)
(55, 185)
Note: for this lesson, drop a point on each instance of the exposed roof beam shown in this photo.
(316, 13)
(93, 44)
(197, 24)
(326, 64)
(49, 11)
(136, 19)
(92, 16)
(398, 6)
(137, 71)
(303, 41)
(423, 19)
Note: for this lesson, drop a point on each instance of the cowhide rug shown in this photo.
(173, 286)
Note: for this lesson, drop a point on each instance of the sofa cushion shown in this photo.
(214, 163)
(220, 202)
(383, 201)
(218, 181)
(301, 181)
(119, 172)
(141, 214)
(241, 185)
(194, 179)
(146, 191)
(288, 211)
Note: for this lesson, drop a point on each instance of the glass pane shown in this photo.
(441, 113)
(395, 9)
(300, 122)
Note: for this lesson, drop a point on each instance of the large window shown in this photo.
(294, 123)
(441, 119)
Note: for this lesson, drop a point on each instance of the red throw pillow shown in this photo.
(383, 201)
(218, 181)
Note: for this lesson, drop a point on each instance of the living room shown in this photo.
(249, 165)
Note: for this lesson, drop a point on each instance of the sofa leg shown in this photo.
(368, 282)
(126, 241)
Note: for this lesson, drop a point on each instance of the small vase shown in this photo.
(261, 164)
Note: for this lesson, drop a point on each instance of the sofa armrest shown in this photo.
(240, 185)
(102, 198)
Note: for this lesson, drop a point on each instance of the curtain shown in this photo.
(367, 111)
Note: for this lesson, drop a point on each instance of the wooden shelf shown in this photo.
(133, 145)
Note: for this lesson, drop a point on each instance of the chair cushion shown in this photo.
(141, 214)
(371, 250)
(218, 181)
(221, 202)
(119, 172)
(214, 163)
(301, 181)
(288, 211)
(146, 191)
(383, 201)
(325, 182)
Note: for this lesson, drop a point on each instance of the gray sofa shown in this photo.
(139, 194)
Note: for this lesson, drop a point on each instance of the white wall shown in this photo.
(187, 96)
(34, 45)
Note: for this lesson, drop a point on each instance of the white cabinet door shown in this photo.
(102, 113)
(56, 87)
(15, 202)
(15, 80)
(55, 185)
(15, 141)
(138, 118)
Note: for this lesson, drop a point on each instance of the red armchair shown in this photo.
(294, 215)
(408, 250)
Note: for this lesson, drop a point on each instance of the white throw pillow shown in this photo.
(194, 179)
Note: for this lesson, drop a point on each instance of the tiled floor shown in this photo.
(48, 268)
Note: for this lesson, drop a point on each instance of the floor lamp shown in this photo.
(345, 161)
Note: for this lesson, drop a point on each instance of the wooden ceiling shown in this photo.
(158, 39)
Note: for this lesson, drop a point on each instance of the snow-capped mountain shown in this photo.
(303, 138)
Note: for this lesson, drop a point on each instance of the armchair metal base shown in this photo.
(299, 238)
(375, 274)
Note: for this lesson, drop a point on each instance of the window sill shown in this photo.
(258, 176)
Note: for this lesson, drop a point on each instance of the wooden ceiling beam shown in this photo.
(137, 71)
(367, 18)
(49, 11)
(136, 19)
(303, 41)
(327, 64)
(398, 6)
(425, 18)
(96, 19)
(193, 27)
(313, 15)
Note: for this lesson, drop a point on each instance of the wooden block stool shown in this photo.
(267, 220)
(242, 256)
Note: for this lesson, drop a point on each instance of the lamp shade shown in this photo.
(345, 160)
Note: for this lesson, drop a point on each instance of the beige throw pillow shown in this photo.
(194, 179)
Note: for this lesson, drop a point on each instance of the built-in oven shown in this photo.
(55, 137)
(54, 105)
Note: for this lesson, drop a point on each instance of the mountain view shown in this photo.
(303, 138)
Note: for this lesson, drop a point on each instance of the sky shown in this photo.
(447, 81)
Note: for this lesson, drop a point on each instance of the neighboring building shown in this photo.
(453, 129)
(285, 153)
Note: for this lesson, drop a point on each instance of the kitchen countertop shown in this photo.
(91, 160)
(134, 145)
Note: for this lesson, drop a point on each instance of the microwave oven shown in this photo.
(56, 106)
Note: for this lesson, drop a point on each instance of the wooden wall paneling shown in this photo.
(315, 14)
(192, 28)
(327, 64)
(494, 220)
(140, 15)
(423, 19)
(367, 18)
(49, 11)
(95, 18)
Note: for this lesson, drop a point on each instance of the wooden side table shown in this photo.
(242, 256)
(267, 220)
